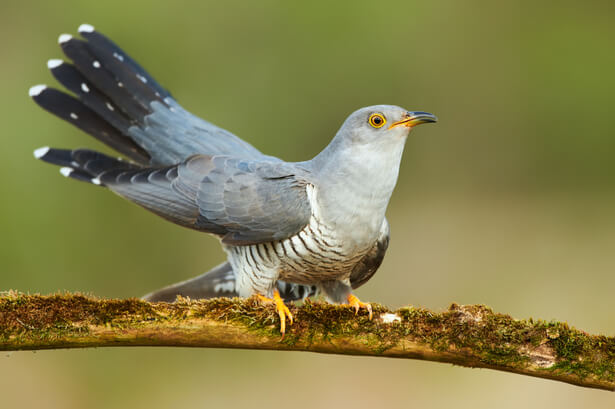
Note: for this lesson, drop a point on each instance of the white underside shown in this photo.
(313, 255)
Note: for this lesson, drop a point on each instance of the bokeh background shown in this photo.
(508, 201)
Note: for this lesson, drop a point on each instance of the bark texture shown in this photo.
(466, 335)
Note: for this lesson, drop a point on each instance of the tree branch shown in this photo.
(466, 335)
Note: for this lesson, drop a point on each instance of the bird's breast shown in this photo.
(317, 253)
(321, 251)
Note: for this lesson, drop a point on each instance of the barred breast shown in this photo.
(313, 255)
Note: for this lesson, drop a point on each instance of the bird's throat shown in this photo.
(357, 193)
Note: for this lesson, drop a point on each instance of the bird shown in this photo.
(289, 229)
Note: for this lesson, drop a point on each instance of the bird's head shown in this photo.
(382, 124)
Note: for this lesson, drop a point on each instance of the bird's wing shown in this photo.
(119, 103)
(367, 266)
(254, 201)
(242, 201)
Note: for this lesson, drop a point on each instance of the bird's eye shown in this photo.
(377, 120)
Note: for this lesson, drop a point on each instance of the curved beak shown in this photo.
(412, 119)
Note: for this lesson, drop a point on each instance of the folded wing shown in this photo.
(242, 201)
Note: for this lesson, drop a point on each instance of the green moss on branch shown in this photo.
(470, 335)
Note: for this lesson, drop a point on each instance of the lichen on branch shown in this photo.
(466, 335)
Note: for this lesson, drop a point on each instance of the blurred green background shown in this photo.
(509, 200)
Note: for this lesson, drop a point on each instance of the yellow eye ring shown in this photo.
(377, 120)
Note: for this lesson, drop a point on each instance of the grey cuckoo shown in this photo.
(290, 230)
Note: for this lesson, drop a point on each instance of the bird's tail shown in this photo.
(117, 102)
(82, 164)
(113, 92)
(220, 282)
(217, 282)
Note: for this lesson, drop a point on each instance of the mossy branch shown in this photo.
(466, 335)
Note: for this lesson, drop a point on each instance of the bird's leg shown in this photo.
(280, 307)
(353, 301)
(340, 292)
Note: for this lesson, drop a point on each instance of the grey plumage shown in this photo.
(289, 228)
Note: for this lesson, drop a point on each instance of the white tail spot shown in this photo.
(35, 90)
(85, 28)
(66, 171)
(53, 63)
(40, 152)
(74, 115)
(96, 181)
(64, 38)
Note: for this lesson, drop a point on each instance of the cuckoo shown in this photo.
(289, 229)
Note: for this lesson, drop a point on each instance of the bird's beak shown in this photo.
(412, 119)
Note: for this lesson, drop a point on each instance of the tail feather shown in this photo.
(121, 105)
(60, 157)
(113, 91)
(74, 81)
(114, 58)
(84, 164)
(79, 175)
(75, 112)
(103, 79)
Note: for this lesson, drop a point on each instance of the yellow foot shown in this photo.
(357, 304)
(280, 307)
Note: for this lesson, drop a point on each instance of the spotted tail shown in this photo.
(83, 164)
(112, 92)
(117, 102)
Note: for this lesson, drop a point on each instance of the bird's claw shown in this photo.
(280, 307)
(353, 301)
